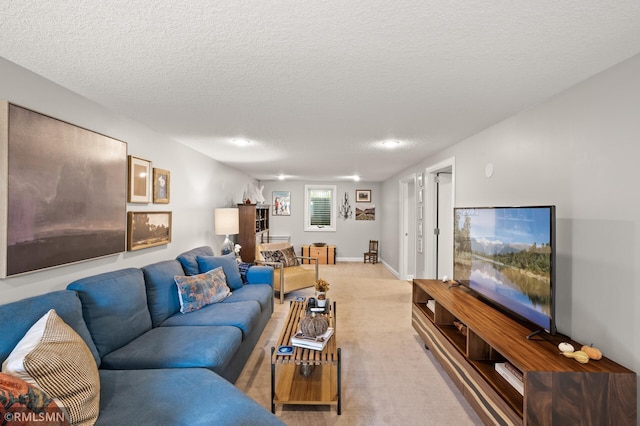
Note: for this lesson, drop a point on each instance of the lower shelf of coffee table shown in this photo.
(320, 387)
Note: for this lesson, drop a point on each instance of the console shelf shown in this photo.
(468, 337)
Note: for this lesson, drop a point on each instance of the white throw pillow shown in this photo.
(54, 358)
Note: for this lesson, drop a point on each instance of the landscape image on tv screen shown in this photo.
(506, 255)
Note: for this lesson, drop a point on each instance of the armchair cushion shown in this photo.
(229, 265)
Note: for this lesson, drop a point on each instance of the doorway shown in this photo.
(407, 228)
(439, 202)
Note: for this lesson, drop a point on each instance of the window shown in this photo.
(320, 208)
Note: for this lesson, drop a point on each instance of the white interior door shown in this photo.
(407, 229)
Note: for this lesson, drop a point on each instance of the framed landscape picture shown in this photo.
(63, 191)
(161, 186)
(139, 178)
(148, 229)
(281, 203)
(363, 195)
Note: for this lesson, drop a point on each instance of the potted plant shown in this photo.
(321, 292)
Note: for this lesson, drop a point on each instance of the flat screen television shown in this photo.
(506, 255)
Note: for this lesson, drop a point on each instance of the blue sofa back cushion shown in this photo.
(17, 318)
(229, 265)
(189, 262)
(114, 306)
(162, 293)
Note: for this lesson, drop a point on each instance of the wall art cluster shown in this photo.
(64, 192)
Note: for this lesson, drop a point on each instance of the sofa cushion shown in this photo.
(54, 357)
(198, 291)
(185, 396)
(114, 305)
(189, 262)
(21, 397)
(162, 295)
(244, 315)
(178, 347)
(19, 316)
(228, 263)
(261, 293)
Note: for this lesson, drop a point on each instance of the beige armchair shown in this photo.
(289, 273)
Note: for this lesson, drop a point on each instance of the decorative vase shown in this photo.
(321, 297)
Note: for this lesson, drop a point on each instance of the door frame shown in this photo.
(431, 207)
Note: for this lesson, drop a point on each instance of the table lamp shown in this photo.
(226, 223)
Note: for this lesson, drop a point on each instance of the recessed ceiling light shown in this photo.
(241, 142)
(391, 143)
(356, 178)
(281, 177)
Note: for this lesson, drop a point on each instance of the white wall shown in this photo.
(580, 151)
(198, 183)
(351, 237)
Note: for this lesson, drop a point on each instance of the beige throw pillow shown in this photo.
(54, 358)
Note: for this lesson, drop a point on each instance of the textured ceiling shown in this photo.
(317, 85)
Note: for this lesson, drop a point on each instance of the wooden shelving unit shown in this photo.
(557, 390)
(254, 228)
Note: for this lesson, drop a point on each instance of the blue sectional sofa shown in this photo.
(158, 366)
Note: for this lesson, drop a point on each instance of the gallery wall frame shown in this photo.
(420, 179)
(161, 186)
(281, 203)
(148, 229)
(62, 192)
(363, 195)
(366, 212)
(139, 178)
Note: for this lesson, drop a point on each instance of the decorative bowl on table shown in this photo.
(319, 244)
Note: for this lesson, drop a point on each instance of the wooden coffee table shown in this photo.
(320, 385)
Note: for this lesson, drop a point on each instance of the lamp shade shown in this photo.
(226, 221)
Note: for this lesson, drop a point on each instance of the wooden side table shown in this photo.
(322, 386)
(326, 254)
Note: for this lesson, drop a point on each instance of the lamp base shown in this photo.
(227, 246)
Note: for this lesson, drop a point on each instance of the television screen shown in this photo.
(507, 255)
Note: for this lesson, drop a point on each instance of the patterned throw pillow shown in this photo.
(290, 258)
(273, 256)
(286, 256)
(53, 357)
(198, 291)
(19, 398)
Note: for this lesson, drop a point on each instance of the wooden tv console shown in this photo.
(557, 390)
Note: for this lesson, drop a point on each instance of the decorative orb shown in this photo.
(314, 325)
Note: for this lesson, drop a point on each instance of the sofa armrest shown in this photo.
(260, 275)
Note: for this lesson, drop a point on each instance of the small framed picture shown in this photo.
(363, 195)
(419, 195)
(420, 212)
(161, 186)
(419, 244)
(139, 176)
(420, 229)
(420, 179)
(148, 229)
(281, 203)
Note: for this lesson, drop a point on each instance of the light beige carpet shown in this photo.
(373, 326)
